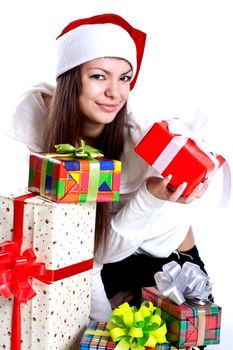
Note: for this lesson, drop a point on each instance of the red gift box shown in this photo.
(186, 159)
(187, 325)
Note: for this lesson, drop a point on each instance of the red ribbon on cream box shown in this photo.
(46, 258)
(174, 147)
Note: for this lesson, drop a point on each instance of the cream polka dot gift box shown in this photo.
(46, 259)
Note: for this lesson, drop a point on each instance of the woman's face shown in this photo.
(105, 89)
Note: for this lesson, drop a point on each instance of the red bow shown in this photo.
(16, 269)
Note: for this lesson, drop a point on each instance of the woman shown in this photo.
(99, 60)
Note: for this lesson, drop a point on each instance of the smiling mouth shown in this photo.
(108, 107)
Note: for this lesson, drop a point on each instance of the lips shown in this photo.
(108, 107)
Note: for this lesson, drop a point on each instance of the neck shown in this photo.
(90, 132)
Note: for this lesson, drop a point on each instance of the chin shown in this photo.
(107, 119)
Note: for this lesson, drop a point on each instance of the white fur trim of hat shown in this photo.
(92, 41)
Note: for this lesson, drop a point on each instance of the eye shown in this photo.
(126, 78)
(97, 76)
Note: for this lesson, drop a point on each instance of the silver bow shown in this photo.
(179, 284)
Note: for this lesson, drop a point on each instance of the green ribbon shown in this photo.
(136, 328)
(84, 151)
(93, 181)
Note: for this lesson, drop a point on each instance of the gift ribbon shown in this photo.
(136, 329)
(201, 326)
(184, 131)
(84, 151)
(16, 268)
(93, 183)
(180, 283)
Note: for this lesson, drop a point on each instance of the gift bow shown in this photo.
(180, 283)
(187, 131)
(84, 151)
(136, 329)
(15, 269)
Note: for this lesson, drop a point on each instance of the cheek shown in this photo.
(86, 97)
(92, 90)
(125, 93)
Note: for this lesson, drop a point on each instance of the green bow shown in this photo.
(85, 151)
(136, 329)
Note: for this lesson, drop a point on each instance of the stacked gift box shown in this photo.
(46, 250)
(66, 179)
(55, 304)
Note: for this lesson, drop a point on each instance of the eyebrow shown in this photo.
(108, 72)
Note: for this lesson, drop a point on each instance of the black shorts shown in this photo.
(138, 270)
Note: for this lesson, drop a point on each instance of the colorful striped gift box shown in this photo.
(188, 325)
(102, 342)
(64, 179)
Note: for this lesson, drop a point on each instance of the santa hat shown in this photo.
(106, 35)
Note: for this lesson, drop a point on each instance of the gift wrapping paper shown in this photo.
(188, 325)
(102, 342)
(67, 180)
(178, 155)
(62, 237)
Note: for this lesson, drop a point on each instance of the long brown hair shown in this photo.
(65, 126)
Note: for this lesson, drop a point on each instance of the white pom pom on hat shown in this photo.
(106, 35)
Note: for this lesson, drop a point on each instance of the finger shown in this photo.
(197, 192)
(166, 180)
(174, 196)
(204, 188)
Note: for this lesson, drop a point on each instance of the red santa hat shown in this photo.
(106, 35)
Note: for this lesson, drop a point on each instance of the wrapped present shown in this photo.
(171, 147)
(97, 337)
(46, 259)
(74, 175)
(128, 328)
(187, 324)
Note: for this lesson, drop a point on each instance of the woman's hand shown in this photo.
(159, 187)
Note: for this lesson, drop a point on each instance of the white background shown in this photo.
(188, 67)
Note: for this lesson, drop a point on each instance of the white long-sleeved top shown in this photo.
(140, 223)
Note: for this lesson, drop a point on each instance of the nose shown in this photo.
(113, 89)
